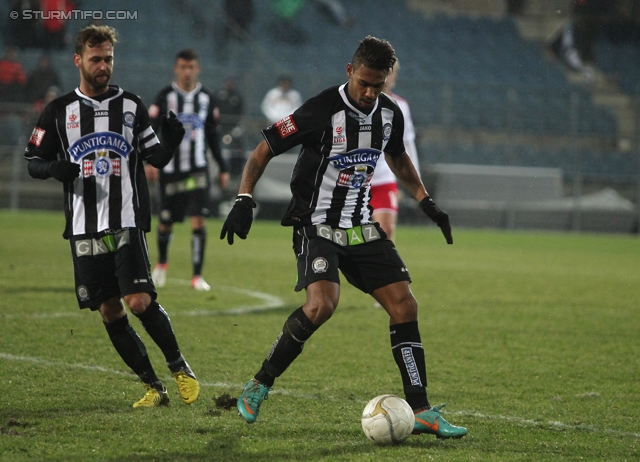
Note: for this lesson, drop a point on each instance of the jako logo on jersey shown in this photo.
(101, 114)
(108, 141)
(365, 156)
(286, 127)
(365, 128)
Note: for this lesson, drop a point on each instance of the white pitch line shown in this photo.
(517, 420)
(269, 302)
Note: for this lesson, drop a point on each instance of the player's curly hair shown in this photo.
(94, 35)
(374, 53)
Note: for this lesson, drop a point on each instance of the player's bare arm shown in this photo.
(254, 168)
(404, 170)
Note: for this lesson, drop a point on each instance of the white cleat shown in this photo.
(159, 274)
(199, 283)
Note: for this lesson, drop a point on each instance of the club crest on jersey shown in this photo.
(386, 132)
(286, 127)
(101, 141)
(128, 119)
(100, 167)
(320, 265)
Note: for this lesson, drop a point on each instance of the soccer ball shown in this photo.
(387, 419)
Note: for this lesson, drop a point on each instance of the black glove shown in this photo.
(64, 170)
(441, 218)
(239, 219)
(172, 130)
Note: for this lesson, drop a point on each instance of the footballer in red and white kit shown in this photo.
(384, 186)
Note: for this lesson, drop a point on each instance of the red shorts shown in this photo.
(384, 198)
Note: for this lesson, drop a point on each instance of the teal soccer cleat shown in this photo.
(249, 402)
(431, 422)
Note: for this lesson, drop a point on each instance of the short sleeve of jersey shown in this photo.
(143, 129)
(395, 146)
(295, 128)
(43, 143)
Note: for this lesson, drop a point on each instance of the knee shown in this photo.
(405, 309)
(138, 303)
(320, 310)
(112, 310)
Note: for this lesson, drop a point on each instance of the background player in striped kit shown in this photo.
(343, 132)
(184, 181)
(94, 140)
(384, 187)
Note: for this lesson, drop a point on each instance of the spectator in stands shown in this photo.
(564, 48)
(13, 80)
(284, 28)
(384, 187)
(281, 100)
(40, 79)
(54, 28)
(588, 17)
(51, 94)
(231, 105)
(574, 43)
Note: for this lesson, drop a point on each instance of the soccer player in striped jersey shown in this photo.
(343, 132)
(94, 140)
(184, 181)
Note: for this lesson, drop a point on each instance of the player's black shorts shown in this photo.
(366, 257)
(186, 197)
(111, 266)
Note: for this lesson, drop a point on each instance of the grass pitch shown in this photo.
(532, 339)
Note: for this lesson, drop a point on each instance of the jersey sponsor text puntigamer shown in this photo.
(109, 137)
(341, 146)
(198, 112)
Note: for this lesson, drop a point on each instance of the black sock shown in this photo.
(198, 242)
(163, 245)
(289, 344)
(129, 346)
(156, 322)
(409, 356)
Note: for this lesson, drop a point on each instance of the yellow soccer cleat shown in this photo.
(153, 398)
(188, 386)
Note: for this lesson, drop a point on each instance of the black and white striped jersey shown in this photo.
(199, 114)
(109, 137)
(340, 148)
